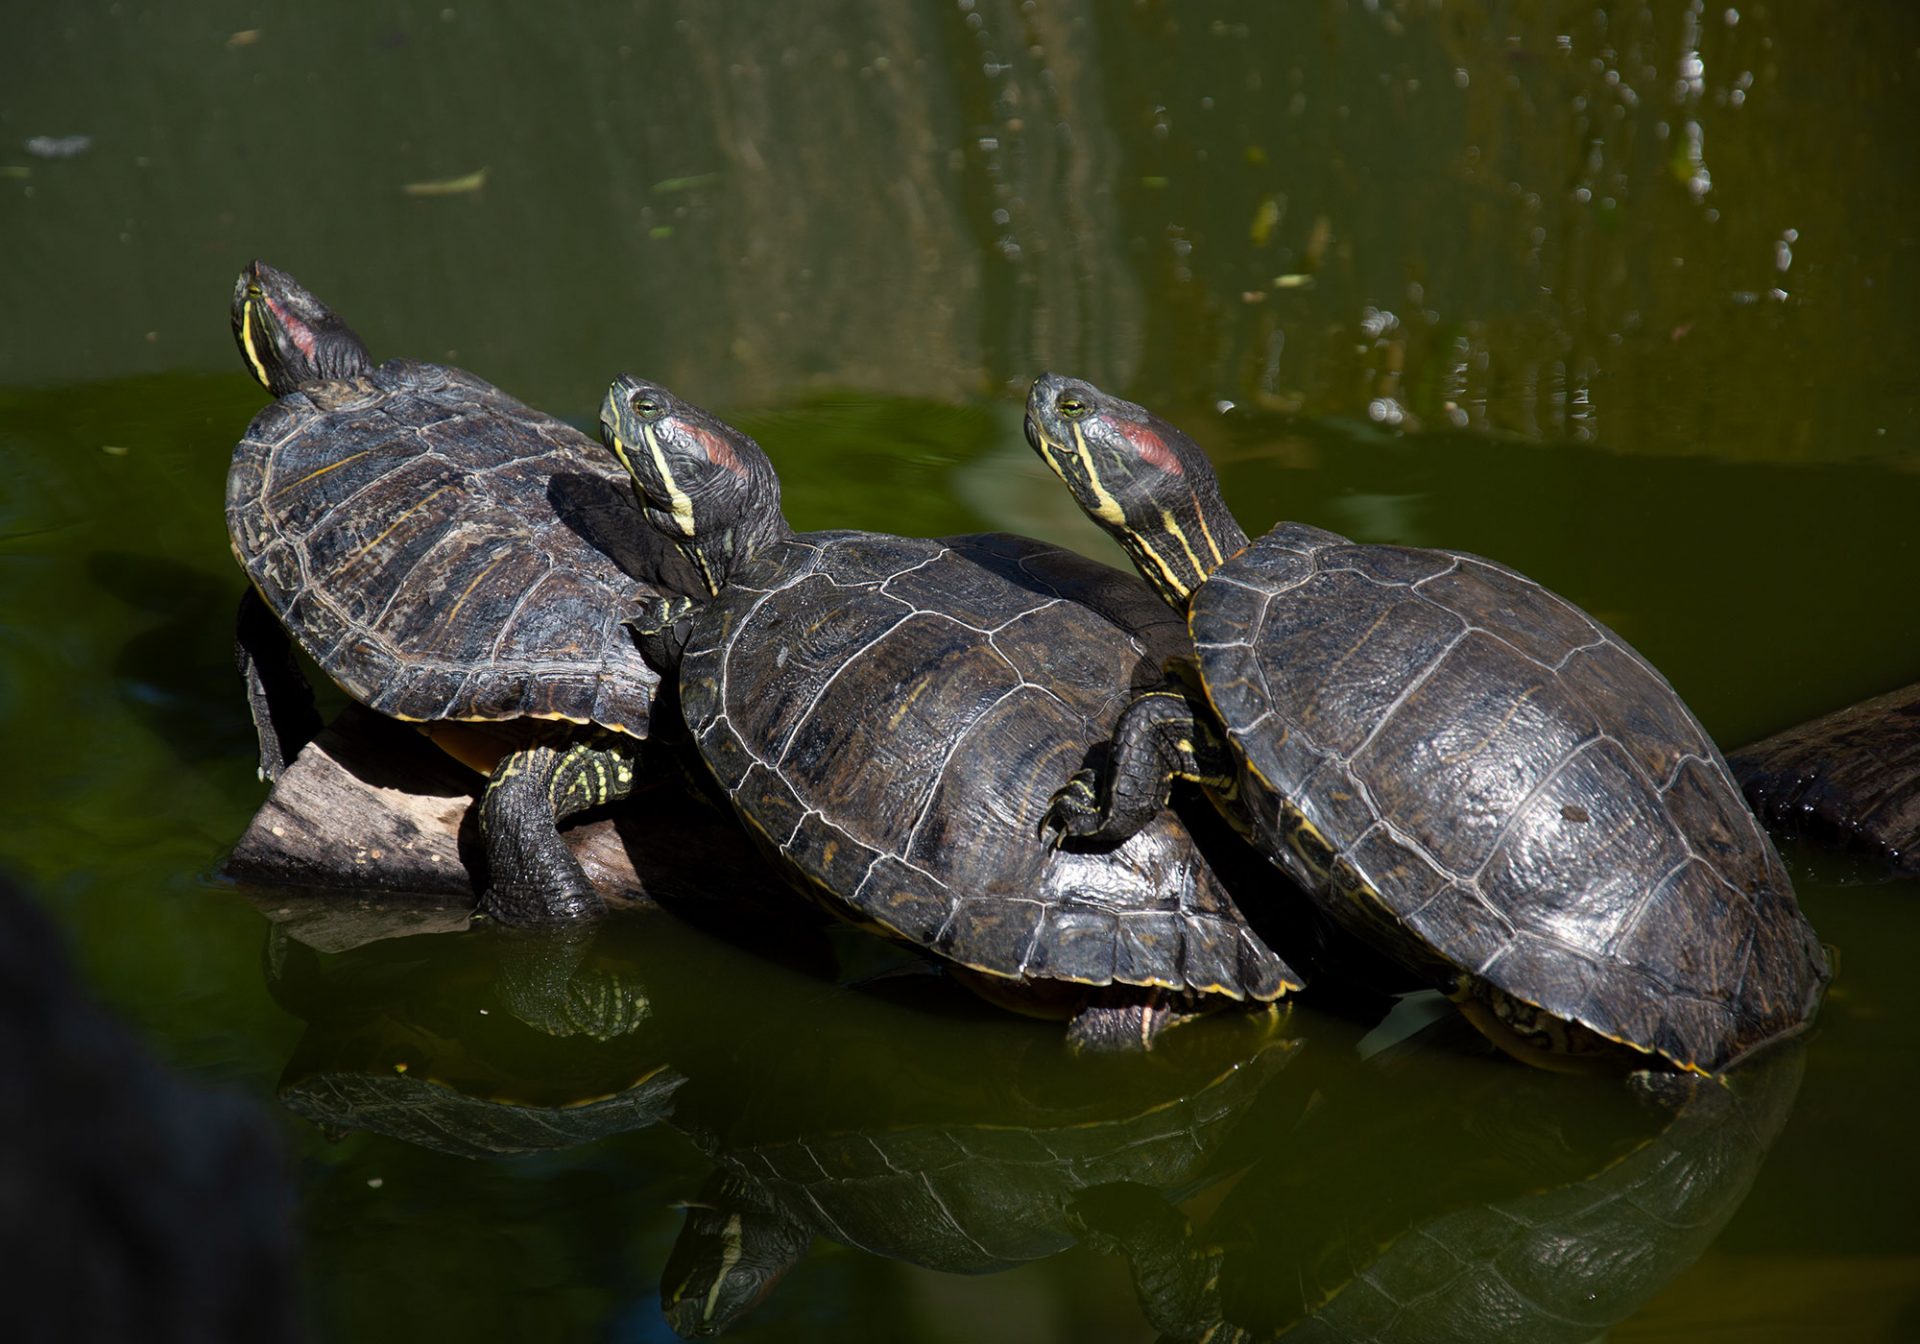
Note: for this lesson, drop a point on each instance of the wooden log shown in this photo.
(372, 833)
(1850, 779)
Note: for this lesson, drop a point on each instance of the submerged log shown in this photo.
(1850, 779)
(372, 832)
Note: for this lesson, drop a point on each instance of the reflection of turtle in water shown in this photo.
(889, 715)
(1850, 778)
(951, 1163)
(1528, 1209)
(889, 1116)
(442, 552)
(516, 1043)
(1461, 767)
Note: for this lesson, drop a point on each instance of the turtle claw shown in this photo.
(1073, 811)
(660, 627)
(659, 613)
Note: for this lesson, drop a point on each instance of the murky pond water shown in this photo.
(1618, 294)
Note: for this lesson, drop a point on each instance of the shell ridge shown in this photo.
(512, 618)
(1407, 692)
(404, 446)
(801, 719)
(1652, 889)
(953, 748)
(1578, 649)
(447, 540)
(1518, 809)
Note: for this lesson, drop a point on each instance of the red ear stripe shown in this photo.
(1151, 447)
(301, 333)
(718, 450)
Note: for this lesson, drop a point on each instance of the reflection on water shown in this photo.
(1428, 1192)
(1522, 1208)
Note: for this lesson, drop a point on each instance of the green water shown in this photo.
(1617, 294)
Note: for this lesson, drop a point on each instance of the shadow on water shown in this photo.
(175, 672)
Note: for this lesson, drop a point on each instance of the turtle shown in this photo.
(1461, 767)
(886, 713)
(445, 554)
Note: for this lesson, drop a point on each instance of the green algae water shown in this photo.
(1616, 294)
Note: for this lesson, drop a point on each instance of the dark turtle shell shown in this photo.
(444, 551)
(1463, 764)
(893, 715)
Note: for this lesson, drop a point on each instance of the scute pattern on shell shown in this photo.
(893, 716)
(444, 551)
(1502, 781)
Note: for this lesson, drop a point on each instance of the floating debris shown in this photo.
(451, 186)
(246, 37)
(14, 170)
(58, 146)
(1264, 220)
(667, 184)
(1317, 242)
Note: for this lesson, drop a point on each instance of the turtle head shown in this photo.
(1137, 476)
(735, 1246)
(702, 484)
(287, 337)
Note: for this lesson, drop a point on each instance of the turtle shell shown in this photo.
(443, 551)
(892, 716)
(1461, 764)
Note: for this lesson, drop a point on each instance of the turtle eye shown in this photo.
(645, 406)
(1071, 407)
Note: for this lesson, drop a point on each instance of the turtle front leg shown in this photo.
(1160, 738)
(278, 695)
(533, 878)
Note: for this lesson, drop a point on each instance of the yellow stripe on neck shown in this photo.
(682, 506)
(1106, 507)
(731, 1239)
(246, 344)
(1180, 536)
